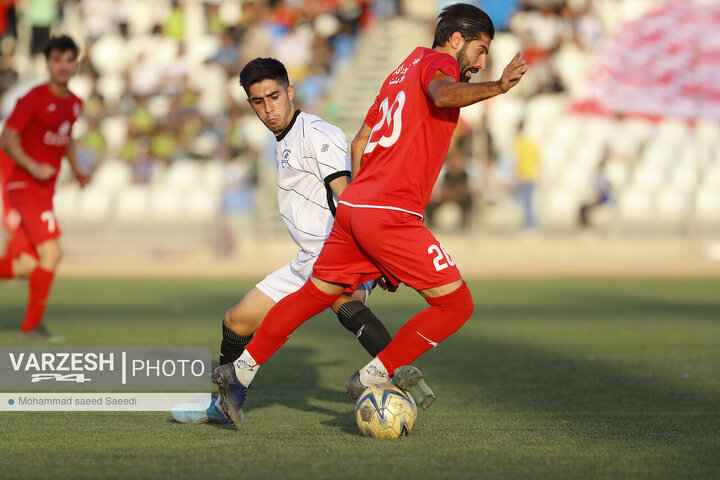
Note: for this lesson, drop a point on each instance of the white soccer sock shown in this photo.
(374, 373)
(245, 368)
(219, 406)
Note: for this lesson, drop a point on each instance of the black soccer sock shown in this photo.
(232, 346)
(370, 331)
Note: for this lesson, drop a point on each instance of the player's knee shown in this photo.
(465, 301)
(237, 322)
(49, 258)
(23, 266)
(459, 303)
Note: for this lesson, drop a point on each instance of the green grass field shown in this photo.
(559, 378)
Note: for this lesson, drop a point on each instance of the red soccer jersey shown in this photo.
(410, 137)
(44, 122)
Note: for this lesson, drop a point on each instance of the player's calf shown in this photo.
(369, 330)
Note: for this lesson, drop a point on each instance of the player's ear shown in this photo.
(456, 40)
(291, 92)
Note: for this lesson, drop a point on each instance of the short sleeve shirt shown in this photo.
(44, 122)
(310, 154)
(409, 139)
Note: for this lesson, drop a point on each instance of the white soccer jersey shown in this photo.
(310, 153)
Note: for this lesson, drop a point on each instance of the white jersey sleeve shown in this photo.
(329, 147)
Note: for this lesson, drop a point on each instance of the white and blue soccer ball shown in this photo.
(385, 412)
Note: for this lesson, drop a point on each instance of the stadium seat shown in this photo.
(132, 204)
(707, 205)
(108, 54)
(672, 133)
(182, 175)
(636, 210)
(111, 86)
(673, 208)
(115, 131)
(165, 205)
(558, 210)
(683, 177)
(201, 206)
(94, 205)
(65, 202)
(112, 176)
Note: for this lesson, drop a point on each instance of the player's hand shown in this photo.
(386, 285)
(83, 178)
(42, 171)
(513, 72)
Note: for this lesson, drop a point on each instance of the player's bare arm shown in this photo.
(82, 177)
(357, 147)
(446, 92)
(338, 185)
(10, 142)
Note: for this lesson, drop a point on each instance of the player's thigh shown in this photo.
(49, 253)
(341, 261)
(404, 249)
(38, 220)
(23, 265)
(246, 316)
(20, 244)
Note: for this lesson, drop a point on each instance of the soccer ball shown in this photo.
(385, 412)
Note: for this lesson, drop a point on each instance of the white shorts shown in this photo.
(290, 277)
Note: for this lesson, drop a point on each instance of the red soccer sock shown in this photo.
(39, 285)
(288, 314)
(6, 270)
(425, 330)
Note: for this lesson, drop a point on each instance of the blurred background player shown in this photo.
(37, 134)
(313, 170)
(379, 229)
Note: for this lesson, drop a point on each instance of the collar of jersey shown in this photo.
(289, 127)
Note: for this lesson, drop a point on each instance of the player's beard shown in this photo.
(465, 65)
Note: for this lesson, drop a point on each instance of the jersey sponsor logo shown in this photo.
(324, 148)
(285, 158)
(390, 116)
(52, 107)
(59, 139)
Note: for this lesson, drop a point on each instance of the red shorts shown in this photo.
(368, 242)
(37, 222)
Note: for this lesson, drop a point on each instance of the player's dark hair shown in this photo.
(467, 19)
(62, 43)
(263, 69)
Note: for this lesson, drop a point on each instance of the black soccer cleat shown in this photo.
(353, 386)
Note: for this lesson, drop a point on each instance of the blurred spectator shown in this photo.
(145, 76)
(602, 195)
(454, 189)
(8, 75)
(174, 25)
(9, 18)
(227, 53)
(41, 14)
(527, 168)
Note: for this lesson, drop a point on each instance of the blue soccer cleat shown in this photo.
(232, 392)
(189, 413)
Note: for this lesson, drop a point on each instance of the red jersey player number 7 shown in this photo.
(37, 135)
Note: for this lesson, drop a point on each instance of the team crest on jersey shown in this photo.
(285, 158)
